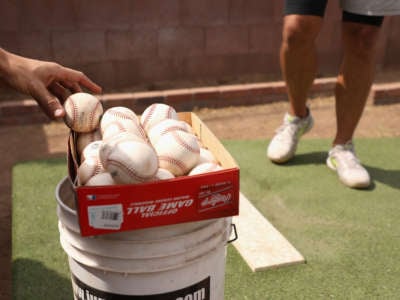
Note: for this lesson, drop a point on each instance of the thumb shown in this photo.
(48, 102)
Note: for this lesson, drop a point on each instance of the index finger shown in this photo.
(67, 74)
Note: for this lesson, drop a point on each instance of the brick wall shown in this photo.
(123, 43)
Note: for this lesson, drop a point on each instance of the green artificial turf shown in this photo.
(39, 265)
(350, 238)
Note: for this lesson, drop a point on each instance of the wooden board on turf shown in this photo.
(260, 244)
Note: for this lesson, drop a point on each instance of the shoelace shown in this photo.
(347, 158)
(287, 129)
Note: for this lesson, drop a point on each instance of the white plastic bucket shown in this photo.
(180, 262)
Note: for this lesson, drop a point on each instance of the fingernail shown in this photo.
(58, 113)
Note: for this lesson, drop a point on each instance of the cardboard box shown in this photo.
(107, 209)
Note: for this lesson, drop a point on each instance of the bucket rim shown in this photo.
(59, 201)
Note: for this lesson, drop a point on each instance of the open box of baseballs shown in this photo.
(170, 170)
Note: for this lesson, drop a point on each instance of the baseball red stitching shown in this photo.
(150, 112)
(184, 144)
(120, 114)
(178, 163)
(92, 115)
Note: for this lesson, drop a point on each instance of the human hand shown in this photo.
(48, 83)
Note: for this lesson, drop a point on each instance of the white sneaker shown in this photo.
(344, 161)
(284, 144)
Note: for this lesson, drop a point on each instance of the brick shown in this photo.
(329, 39)
(118, 44)
(144, 100)
(207, 67)
(329, 63)
(127, 73)
(66, 47)
(252, 11)
(104, 14)
(227, 40)
(393, 46)
(34, 14)
(169, 12)
(92, 46)
(181, 99)
(200, 94)
(36, 45)
(258, 63)
(160, 69)
(9, 20)
(216, 68)
(181, 41)
(386, 93)
(129, 44)
(144, 42)
(206, 12)
(15, 107)
(47, 15)
(103, 73)
(63, 15)
(155, 13)
(10, 41)
(265, 38)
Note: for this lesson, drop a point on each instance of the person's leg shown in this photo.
(360, 34)
(356, 74)
(298, 58)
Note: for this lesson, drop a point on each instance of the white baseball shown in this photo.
(82, 112)
(107, 145)
(85, 138)
(89, 168)
(205, 168)
(124, 125)
(117, 113)
(104, 178)
(165, 126)
(130, 161)
(163, 174)
(178, 152)
(156, 113)
(91, 150)
(206, 156)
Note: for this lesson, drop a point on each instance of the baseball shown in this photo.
(89, 168)
(104, 178)
(124, 125)
(107, 146)
(82, 112)
(178, 152)
(205, 168)
(129, 161)
(118, 113)
(156, 113)
(206, 156)
(91, 150)
(163, 174)
(85, 138)
(165, 126)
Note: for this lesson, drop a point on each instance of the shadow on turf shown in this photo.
(388, 177)
(310, 158)
(33, 280)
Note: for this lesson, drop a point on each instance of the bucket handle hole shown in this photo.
(235, 235)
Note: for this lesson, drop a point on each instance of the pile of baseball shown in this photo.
(117, 146)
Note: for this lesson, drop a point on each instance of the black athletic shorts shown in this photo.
(317, 8)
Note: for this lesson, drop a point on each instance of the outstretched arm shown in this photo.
(48, 83)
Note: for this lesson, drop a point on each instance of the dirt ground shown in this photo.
(21, 143)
